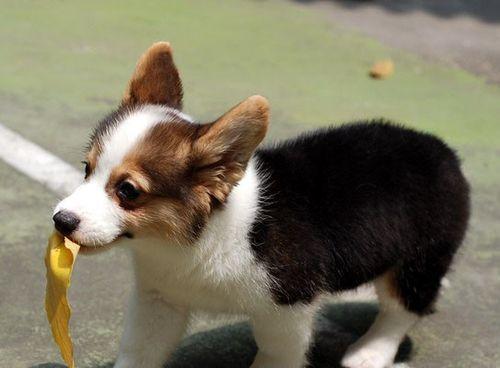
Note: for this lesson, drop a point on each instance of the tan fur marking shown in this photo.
(388, 280)
(92, 156)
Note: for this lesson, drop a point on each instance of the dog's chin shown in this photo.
(90, 249)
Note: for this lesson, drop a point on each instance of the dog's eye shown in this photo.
(87, 168)
(127, 192)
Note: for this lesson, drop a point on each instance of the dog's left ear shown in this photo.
(155, 79)
(224, 147)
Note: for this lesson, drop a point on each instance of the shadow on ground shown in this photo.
(486, 10)
(233, 346)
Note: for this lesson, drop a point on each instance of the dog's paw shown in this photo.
(367, 357)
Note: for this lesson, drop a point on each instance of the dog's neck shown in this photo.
(228, 227)
(226, 231)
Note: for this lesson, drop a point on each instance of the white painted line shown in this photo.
(37, 163)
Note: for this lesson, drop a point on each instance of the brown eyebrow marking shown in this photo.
(91, 158)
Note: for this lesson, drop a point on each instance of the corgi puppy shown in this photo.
(216, 223)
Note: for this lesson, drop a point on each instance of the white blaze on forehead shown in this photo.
(119, 140)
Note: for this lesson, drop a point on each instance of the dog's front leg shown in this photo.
(283, 337)
(153, 328)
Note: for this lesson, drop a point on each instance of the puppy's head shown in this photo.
(150, 170)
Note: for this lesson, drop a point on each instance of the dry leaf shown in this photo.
(59, 259)
(382, 69)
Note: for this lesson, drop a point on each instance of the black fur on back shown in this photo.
(341, 206)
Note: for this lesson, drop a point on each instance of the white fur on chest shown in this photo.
(219, 272)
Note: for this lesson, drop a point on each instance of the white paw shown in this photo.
(367, 357)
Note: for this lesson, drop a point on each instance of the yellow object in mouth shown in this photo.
(59, 259)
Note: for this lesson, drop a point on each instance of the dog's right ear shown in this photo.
(155, 79)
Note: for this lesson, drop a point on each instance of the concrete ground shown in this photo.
(63, 66)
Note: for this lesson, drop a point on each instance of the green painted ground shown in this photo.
(64, 64)
(68, 62)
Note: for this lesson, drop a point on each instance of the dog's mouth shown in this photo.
(96, 248)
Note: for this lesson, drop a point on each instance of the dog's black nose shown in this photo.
(65, 222)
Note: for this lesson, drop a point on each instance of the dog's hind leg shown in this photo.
(405, 294)
(378, 347)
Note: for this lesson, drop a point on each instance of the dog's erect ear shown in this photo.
(223, 150)
(155, 79)
(236, 134)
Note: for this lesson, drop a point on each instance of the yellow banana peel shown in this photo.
(59, 259)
